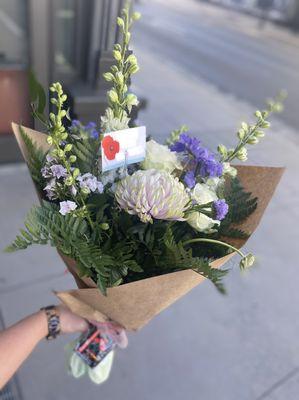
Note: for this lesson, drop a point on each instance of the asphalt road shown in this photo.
(225, 48)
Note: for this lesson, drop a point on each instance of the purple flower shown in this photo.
(89, 129)
(58, 171)
(210, 168)
(90, 183)
(206, 164)
(50, 189)
(91, 125)
(189, 179)
(100, 187)
(220, 209)
(67, 206)
(76, 123)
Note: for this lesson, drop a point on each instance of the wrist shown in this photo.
(41, 324)
(52, 315)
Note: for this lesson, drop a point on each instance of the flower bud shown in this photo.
(247, 261)
(72, 159)
(253, 140)
(222, 150)
(50, 140)
(104, 226)
(136, 15)
(76, 172)
(117, 55)
(241, 134)
(108, 76)
(85, 190)
(242, 154)
(69, 181)
(132, 59)
(133, 69)
(113, 97)
(68, 147)
(259, 134)
(119, 78)
(60, 153)
(120, 22)
(266, 124)
(131, 100)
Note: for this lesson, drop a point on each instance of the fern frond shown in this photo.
(241, 206)
(35, 156)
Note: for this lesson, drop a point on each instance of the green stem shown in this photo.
(216, 242)
(244, 141)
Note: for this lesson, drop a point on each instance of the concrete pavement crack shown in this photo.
(278, 384)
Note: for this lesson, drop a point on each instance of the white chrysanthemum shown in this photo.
(152, 194)
(160, 157)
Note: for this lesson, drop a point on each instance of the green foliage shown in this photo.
(241, 206)
(179, 258)
(86, 152)
(250, 134)
(38, 98)
(35, 157)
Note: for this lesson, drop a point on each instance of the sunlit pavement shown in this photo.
(242, 346)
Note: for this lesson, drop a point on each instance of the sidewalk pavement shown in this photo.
(242, 346)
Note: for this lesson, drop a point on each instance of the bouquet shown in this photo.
(138, 223)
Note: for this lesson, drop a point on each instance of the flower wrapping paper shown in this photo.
(134, 304)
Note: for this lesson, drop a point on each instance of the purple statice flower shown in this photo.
(210, 167)
(67, 206)
(220, 208)
(58, 171)
(90, 182)
(189, 179)
(206, 164)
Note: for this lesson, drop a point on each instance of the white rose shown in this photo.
(160, 157)
(201, 222)
(203, 194)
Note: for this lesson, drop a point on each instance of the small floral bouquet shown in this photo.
(138, 223)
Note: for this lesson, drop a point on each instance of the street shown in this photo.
(224, 48)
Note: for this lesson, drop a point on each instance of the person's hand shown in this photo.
(69, 322)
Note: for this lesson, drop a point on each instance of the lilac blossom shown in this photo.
(67, 206)
(90, 183)
(50, 189)
(58, 171)
(220, 208)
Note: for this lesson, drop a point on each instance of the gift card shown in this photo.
(121, 148)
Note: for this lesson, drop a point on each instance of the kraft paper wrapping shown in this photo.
(134, 304)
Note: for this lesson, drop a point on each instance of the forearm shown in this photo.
(18, 341)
